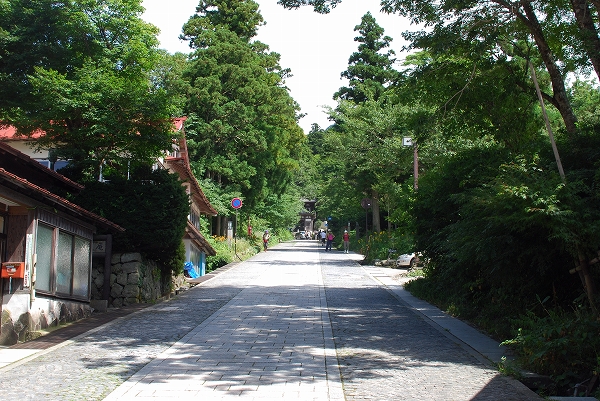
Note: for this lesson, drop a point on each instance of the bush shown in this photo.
(152, 207)
(377, 245)
(226, 254)
(562, 344)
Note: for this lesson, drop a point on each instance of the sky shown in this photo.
(315, 47)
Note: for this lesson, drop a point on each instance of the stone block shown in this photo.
(122, 278)
(131, 291)
(116, 290)
(131, 267)
(8, 335)
(133, 278)
(131, 257)
(99, 281)
(116, 259)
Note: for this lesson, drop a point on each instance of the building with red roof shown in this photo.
(177, 161)
(45, 247)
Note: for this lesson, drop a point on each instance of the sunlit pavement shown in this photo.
(295, 322)
(272, 341)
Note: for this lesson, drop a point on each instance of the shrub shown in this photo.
(152, 207)
(562, 344)
(377, 245)
(226, 253)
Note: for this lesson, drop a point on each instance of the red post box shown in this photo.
(13, 270)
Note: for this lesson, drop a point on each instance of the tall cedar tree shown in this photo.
(370, 73)
(565, 34)
(243, 132)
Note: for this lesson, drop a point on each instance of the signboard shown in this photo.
(236, 203)
(28, 260)
(99, 247)
(407, 141)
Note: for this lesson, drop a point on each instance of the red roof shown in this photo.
(182, 166)
(9, 133)
(178, 122)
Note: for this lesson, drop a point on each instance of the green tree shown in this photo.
(369, 71)
(564, 33)
(242, 131)
(81, 72)
(132, 203)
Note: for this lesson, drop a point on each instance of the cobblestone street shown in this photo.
(267, 328)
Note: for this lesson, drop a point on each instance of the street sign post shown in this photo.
(236, 203)
(366, 204)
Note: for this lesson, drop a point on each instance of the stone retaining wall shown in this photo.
(133, 279)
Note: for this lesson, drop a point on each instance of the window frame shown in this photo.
(73, 277)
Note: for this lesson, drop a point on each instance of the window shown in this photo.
(43, 248)
(57, 165)
(63, 263)
(194, 218)
(196, 258)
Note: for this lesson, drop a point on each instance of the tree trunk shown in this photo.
(375, 210)
(589, 33)
(587, 280)
(218, 225)
(224, 226)
(559, 99)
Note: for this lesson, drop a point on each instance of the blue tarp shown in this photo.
(189, 268)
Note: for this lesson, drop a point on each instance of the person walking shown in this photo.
(346, 239)
(322, 235)
(330, 238)
(266, 238)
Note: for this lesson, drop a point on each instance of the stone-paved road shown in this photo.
(275, 312)
(387, 352)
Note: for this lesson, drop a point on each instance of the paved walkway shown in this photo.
(292, 323)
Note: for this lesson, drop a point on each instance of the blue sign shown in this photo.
(236, 203)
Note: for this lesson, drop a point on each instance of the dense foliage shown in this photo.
(82, 73)
(139, 205)
(89, 75)
(478, 191)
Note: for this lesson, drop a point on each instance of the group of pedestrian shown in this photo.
(327, 238)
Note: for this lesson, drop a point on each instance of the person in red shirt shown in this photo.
(346, 239)
(266, 238)
(330, 238)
